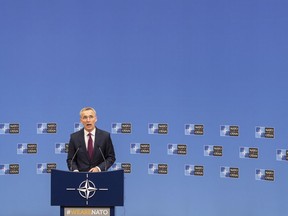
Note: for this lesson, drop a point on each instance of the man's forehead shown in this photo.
(88, 112)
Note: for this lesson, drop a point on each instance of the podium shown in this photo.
(86, 193)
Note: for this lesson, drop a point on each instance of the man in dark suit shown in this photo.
(89, 146)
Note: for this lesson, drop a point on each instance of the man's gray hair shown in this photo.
(87, 108)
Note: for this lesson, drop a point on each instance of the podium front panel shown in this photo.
(87, 189)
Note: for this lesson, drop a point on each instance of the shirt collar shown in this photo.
(92, 132)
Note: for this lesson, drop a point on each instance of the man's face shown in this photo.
(88, 119)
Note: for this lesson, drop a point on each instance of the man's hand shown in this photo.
(95, 169)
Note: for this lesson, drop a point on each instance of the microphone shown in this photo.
(71, 169)
(102, 157)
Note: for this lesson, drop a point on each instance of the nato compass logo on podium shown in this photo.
(87, 189)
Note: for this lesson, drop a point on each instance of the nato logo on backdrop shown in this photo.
(229, 172)
(264, 132)
(157, 128)
(43, 168)
(213, 150)
(281, 154)
(9, 128)
(116, 166)
(121, 128)
(7, 169)
(248, 152)
(46, 128)
(194, 129)
(78, 126)
(24, 148)
(61, 148)
(138, 148)
(264, 175)
(193, 170)
(229, 130)
(127, 168)
(176, 149)
(155, 168)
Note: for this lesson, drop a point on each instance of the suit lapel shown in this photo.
(95, 138)
(96, 141)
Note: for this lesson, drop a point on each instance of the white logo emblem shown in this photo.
(87, 189)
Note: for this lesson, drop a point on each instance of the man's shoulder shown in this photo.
(77, 133)
(102, 132)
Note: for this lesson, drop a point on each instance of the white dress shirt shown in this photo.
(86, 137)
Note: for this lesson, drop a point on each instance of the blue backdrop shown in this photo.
(178, 62)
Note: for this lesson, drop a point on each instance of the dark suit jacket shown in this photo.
(81, 160)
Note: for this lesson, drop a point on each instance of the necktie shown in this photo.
(90, 146)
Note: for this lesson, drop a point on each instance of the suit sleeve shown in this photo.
(109, 154)
(71, 152)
